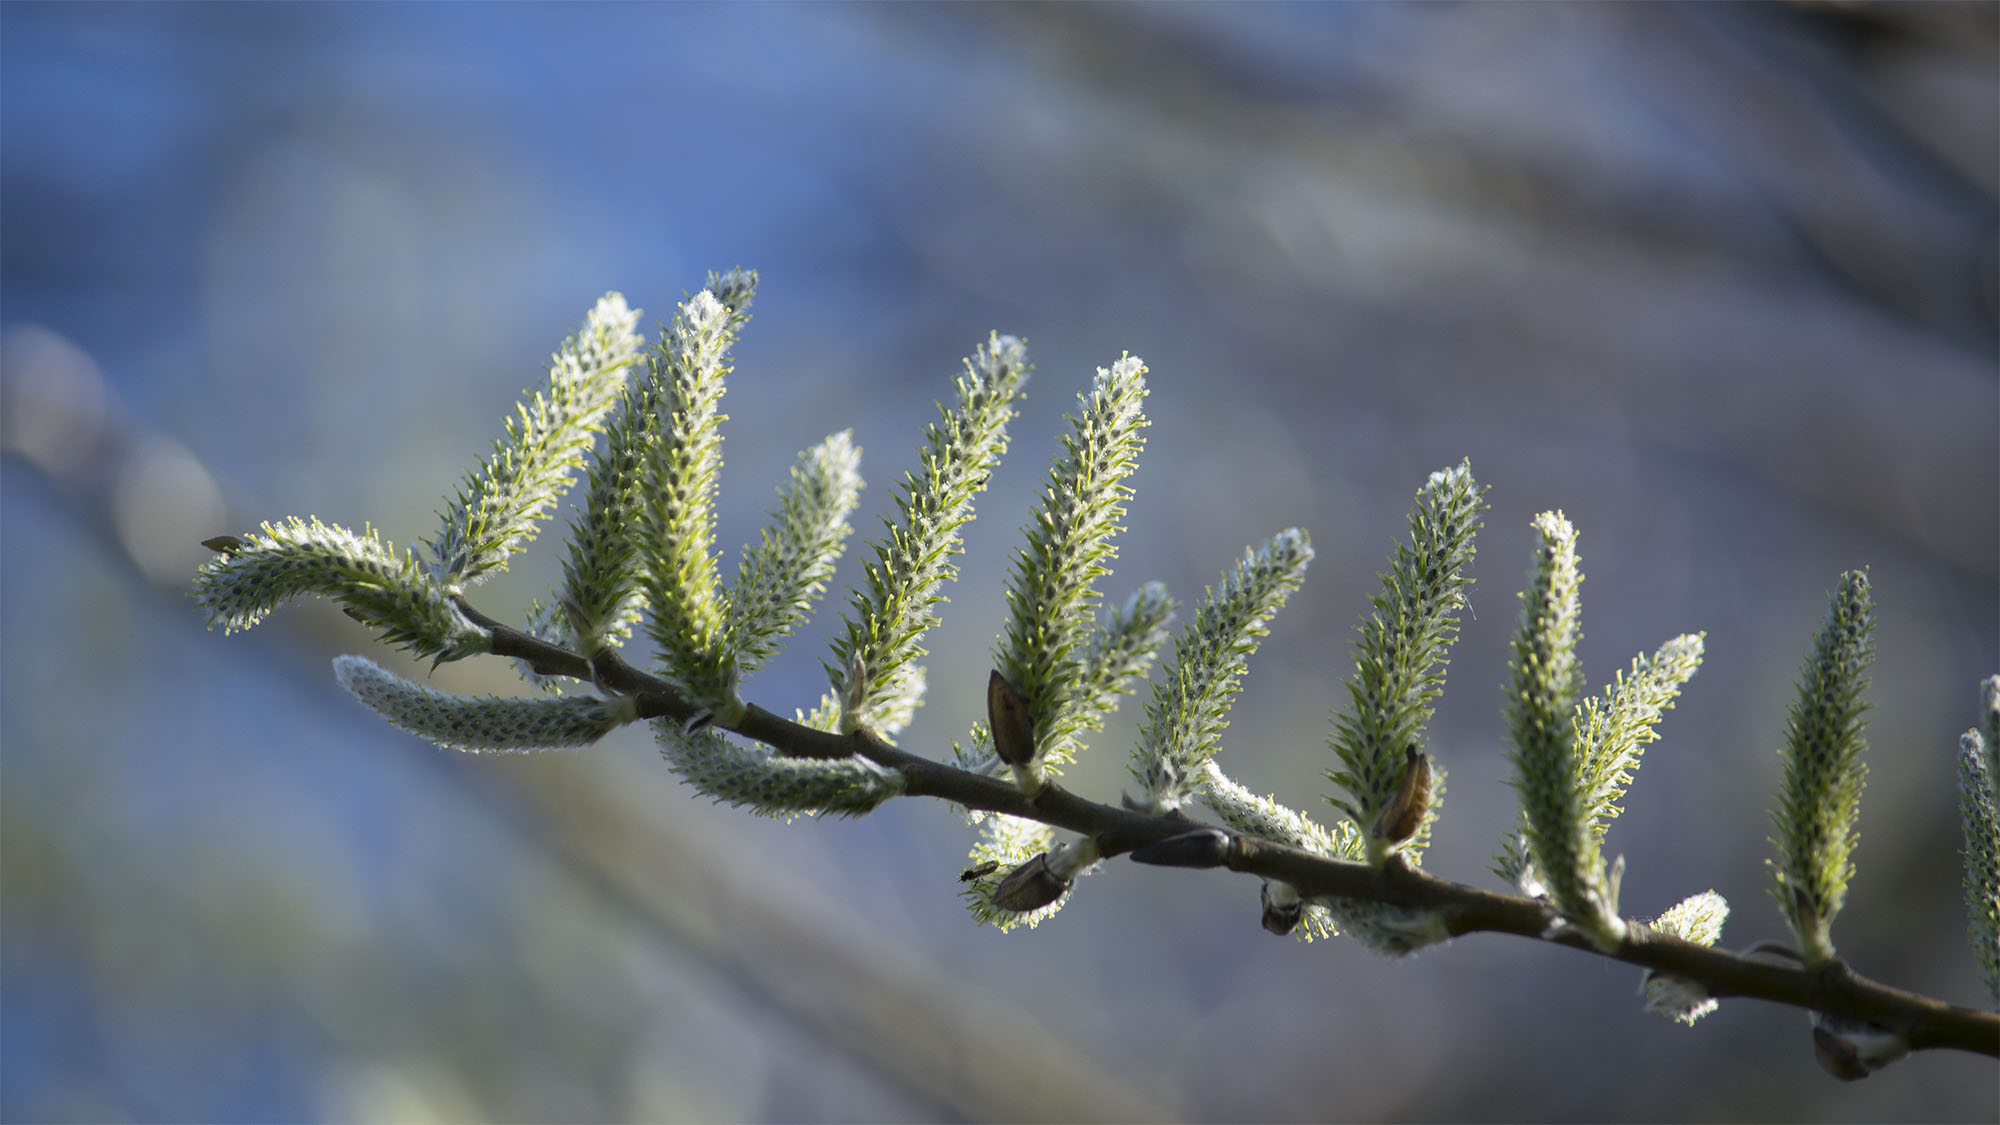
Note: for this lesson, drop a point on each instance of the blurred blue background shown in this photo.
(1717, 281)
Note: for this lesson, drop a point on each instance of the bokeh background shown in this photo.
(1718, 281)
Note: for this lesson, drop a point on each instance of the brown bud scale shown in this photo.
(1007, 716)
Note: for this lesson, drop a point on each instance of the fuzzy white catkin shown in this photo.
(873, 674)
(1266, 819)
(1190, 707)
(771, 784)
(1980, 821)
(481, 723)
(499, 507)
(1699, 919)
(1007, 842)
(384, 586)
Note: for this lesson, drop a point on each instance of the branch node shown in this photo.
(1204, 847)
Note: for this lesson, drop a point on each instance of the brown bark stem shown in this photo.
(1834, 989)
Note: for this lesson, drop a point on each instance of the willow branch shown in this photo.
(1832, 988)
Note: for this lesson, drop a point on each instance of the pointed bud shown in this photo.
(1283, 909)
(1204, 847)
(1404, 814)
(1030, 886)
(1007, 716)
(225, 544)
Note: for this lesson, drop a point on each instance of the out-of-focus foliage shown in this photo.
(1714, 278)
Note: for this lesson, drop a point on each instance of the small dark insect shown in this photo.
(979, 871)
(225, 544)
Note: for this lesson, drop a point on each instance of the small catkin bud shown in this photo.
(1851, 1050)
(1699, 919)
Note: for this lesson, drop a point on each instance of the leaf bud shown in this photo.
(1204, 847)
(1283, 908)
(1030, 886)
(1404, 814)
(1007, 716)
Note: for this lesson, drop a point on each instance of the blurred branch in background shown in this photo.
(1868, 127)
(1877, 174)
(1747, 155)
